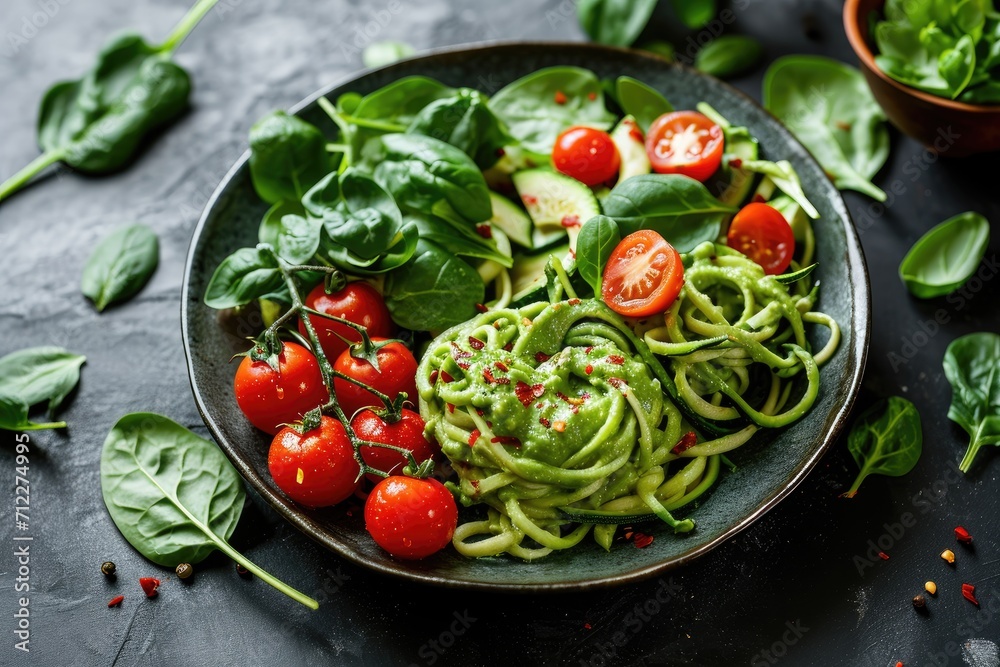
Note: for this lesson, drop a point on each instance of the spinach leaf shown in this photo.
(379, 54)
(972, 366)
(615, 22)
(641, 101)
(37, 374)
(946, 256)
(433, 291)
(886, 440)
(538, 107)
(120, 265)
(174, 496)
(729, 55)
(958, 64)
(598, 238)
(694, 13)
(785, 179)
(270, 224)
(298, 238)
(95, 124)
(288, 156)
(677, 207)
(247, 274)
(829, 108)
(456, 239)
(14, 416)
(465, 121)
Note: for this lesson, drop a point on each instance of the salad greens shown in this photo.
(120, 265)
(886, 439)
(729, 55)
(95, 124)
(35, 375)
(829, 108)
(948, 49)
(972, 366)
(946, 256)
(640, 101)
(614, 22)
(174, 495)
(288, 156)
(598, 237)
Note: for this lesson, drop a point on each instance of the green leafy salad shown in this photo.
(567, 302)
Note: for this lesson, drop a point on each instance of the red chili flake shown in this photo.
(586, 626)
(149, 586)
(475, 484)
(589, 349)
(540, 405)
(559, 426)
(589, 369)
(481, 308)
(541, 357)
(473, 437)
(962, 535)
(485, 231)
(544, 422)
(574, 302)
(899, 664)
(506, 440)
(529, 200)
(570, 221)
(434, 376)
(687, 441)
(464, 365)
(501, 366)
(969, 593)
(591, 96)
(475, 343)
(451, 408)
(560, 97)
(572, 400)
(736, 163)
(115, 601)
(509, 346)
(457, 352)
(642, 540)
(616, 359)
(446, 377)
(527, 393)
(617, 383)
(488, 376)
(883, 555)
(479, 412)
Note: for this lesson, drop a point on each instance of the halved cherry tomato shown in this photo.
(761, 233)
(315, 468)
(397, 372)
(411, 518)
(407, 433)
(271, 398)
(643, 276)
(685, 142)
(587, 154)
(358, 302)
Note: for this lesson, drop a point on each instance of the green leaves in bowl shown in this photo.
(729, 55)
(972, 366)
(598, 238)
(120, 265)
(35, 375)
(640, 101)
(946, 256)
(886, 439)
(287, 157)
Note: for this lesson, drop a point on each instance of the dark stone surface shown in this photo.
(790, 584)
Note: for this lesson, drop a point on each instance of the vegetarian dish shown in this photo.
(559, 307)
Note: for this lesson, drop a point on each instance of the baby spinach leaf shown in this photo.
(598, 237)
(287, 157)
(457, 239)
(958, 64)
(829, 108)
(972, 366)
(677, 207)
(247, 274)
(946, 256)
(538, 107)
(729, 55)
(37, 374)
(641, 101)
(120, 265)
(174, 496)
(298, 238)
(14, 416)
(694, 13)
(433, 291)
(270, 224)
(378, 54)
(885, 440)
(614, 22)
(465, 121)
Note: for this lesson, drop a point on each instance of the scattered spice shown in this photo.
(586, 626)
(509, 346)
(541, 357)
(969, 593)
(949, 556)
(115, 601)
(481, 308)
(899, 664)
(485, 231)
(108, 568)
(184, 570)
(617, 383)
(559, 426)
(919, 602)
(574, 302)
(434, 376)
(446, 377)
(501, 366)
(560, 97)
(883, 555)
(545, 422)
(642, 540)
(736, 163)
(243, 572)
(687, 441)
(451, 408)
(474, 436)
(149, 586)
(506, 440)
(589, 369)
(475, 343)
(962, 535)
(616, 359)
(931, 587)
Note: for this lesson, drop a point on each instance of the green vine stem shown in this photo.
(20, 179)
(186, 25)
(265, 576)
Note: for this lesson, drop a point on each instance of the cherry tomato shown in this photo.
(761, 233)
(272, 398)
(407, 433)
(397, 372)
(358, 302)
(411, 518)
(315, 468)
(643, 276)
(685, 142)
(586, 154)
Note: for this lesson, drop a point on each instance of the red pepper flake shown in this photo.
(962, 535)
(481, 308)
(589, 369)
(969, 593)
(899, 664)
(485, 231)
(475, 343)
(561, 97)
(475, 484)
(479, 412)
(473, 437)
(545, 422)
(149, 586)
(529, 200)
(736, 163)
(457, 352)
(446, 378)
(541, 357)
(115, 601)
(501, 366)
(616, 359)
(883, 555)
(574, 302)
(569, 221)
(617, 383)
(572, 400)
(434, 376)
(559, 426)
(464, 365)
(687, 441)
(506, 440)
(591, 96)
(586, 626)
(589, 349)
(527, 393)
(642, 540)
(509, 346)
(451, 408)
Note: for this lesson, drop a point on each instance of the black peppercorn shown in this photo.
(108, 568)
(919, 602)
(184, 570)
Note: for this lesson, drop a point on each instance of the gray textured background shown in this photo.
(795, 568)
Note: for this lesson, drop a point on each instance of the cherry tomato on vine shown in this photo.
(587, 154)
(685, 142)
(643, 276)
(271, 398)
(761, 233)
(411, 518)
(315, 468)
(358, 302)
(397, 372)
(407, 433)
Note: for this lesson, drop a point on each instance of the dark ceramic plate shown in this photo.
(767, 472)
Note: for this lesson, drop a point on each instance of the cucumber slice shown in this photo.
(739, 146)
(555, 201)
(490, 269)
(631, 149)
(514, 222)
